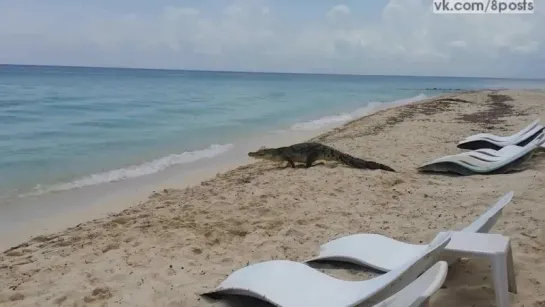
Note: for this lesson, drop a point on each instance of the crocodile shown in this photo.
(308, 153)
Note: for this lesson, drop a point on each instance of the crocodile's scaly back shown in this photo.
(332, 154)
(310, 152)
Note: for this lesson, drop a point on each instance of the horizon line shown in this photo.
(265, 72)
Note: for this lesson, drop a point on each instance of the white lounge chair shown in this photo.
(293, 284)
(496, 248)
(482, 161)
(385, 254)
(496, 142)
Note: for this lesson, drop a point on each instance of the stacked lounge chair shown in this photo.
(492, 141)
(387, 254)
(294, 284)
(514, 150)
(413, 272)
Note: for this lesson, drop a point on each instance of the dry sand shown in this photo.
(179, 243)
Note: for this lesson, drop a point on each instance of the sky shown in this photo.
(384, 37)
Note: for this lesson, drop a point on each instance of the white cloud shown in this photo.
(234, 10)
(407, 39)
(457, 44)
(174, 13)
(339, 10)
(530, 47)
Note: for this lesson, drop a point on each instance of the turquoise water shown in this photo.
(64, 127)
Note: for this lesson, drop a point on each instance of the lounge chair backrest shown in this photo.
(486, 221)
(526, 129)
(401, 277)
(526, 133)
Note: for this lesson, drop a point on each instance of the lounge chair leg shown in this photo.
(511, 271)
(500, 279)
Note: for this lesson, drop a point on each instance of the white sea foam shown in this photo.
(134, 171)
(163, 163)
(370, 108)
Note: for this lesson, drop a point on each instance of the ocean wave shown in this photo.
(163, 163)
(135, 171)
(370, 108)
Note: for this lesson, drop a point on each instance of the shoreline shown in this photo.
(118, 197)
(54, 211)
(153, 165)
(181, 242)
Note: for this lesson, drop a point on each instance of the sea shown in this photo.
(72, 128)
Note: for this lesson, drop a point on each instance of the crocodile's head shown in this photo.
(271, 154)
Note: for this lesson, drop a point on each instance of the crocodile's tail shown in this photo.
(360, 163)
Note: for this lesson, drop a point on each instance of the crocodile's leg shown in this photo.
(290, 162)
(311, 159)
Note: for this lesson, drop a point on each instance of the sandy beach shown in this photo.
(182, 242)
